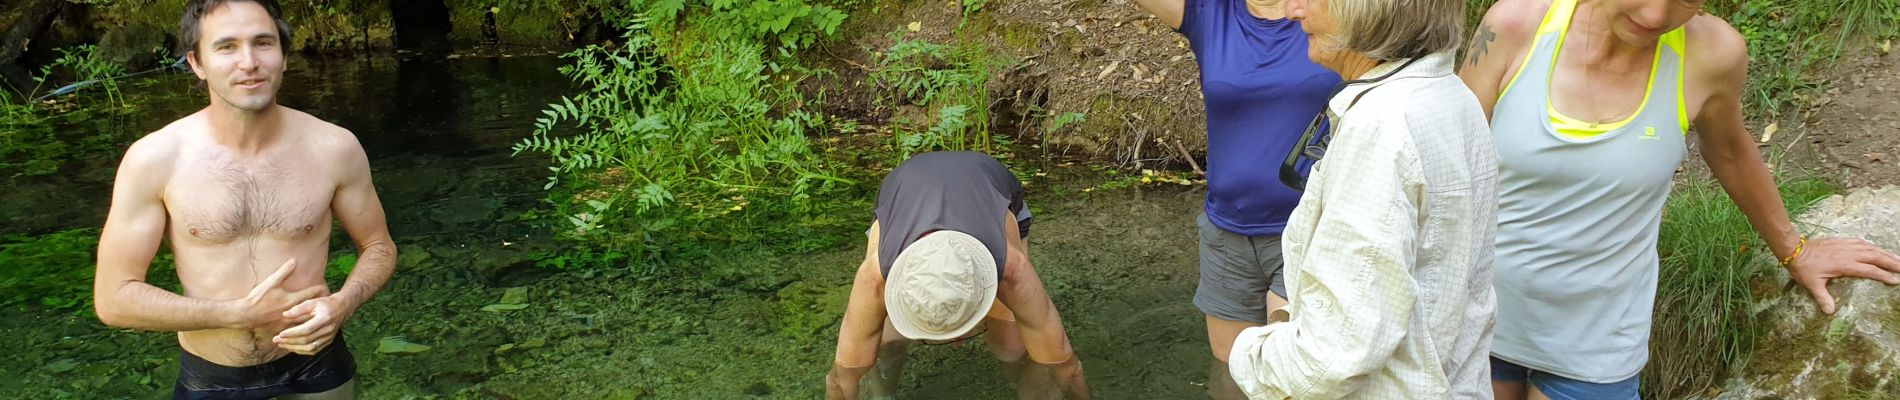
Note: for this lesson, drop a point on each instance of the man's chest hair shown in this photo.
(218, 200)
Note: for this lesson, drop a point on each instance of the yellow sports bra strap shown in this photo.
(1559, 16)
(1678, 42)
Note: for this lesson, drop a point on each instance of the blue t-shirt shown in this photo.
(1260, 92)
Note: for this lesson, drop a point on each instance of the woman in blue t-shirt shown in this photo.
(1260, 92)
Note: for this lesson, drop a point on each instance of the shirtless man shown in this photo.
(245, 189)
(947, 253)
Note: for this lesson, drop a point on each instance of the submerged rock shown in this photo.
(1854, 353)
(462, 210)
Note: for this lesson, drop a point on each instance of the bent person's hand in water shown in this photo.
(1826, 259)
(267, 302)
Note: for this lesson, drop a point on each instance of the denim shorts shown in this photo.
(1561, 388)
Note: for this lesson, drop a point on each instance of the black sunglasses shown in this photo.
(1318, 135)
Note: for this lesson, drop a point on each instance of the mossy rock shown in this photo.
(1854, 353)
(136, 47)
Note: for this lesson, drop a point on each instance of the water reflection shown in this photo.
(437, 131)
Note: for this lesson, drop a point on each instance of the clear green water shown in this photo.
(750, 323)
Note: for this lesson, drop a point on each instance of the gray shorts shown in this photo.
(1237, 272)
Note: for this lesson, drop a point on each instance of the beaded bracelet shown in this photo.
(1797, 251)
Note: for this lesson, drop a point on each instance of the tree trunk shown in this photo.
(24, 21)
(421, 25)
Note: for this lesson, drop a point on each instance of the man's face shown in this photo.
(239, 56)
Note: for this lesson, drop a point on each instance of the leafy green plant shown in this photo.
(340, 267)
(672, 152)
(780, 26)
(948, 81)
(14, 111)
(1066, 119)
(922, 73)
(86, 64)
(971, 7)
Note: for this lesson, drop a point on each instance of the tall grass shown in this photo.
(1791, 42)
(1711, 264)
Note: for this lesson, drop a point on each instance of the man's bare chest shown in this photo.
(218, 201)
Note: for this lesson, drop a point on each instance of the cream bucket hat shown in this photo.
(940, 286)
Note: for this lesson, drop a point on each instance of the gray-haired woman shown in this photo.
(1388, 254)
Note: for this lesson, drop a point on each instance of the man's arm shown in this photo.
(1491, 57)
(1732, 157)
(1170, 11)
(862, 328)
(1043, 335)
(358, 209)
(135, 224)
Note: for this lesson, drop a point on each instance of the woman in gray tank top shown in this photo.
(1590, 105)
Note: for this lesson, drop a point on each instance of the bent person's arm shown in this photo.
(1353, 298)
(1046, 341)
(861, 330)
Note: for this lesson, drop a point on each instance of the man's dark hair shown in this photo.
(195, 11)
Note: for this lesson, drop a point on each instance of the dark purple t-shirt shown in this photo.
(1260, 91)
(948, 190)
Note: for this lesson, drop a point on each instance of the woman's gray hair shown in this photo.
(1387, 30)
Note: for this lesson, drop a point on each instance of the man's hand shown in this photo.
(1829, 258)
(325, 316)
(268, 301)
